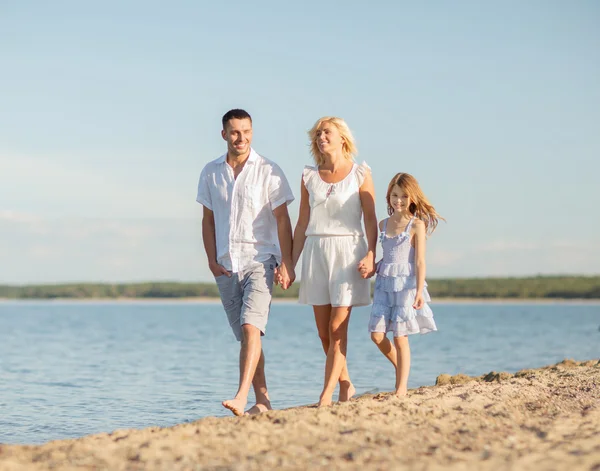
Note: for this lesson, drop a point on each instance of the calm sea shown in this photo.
(70, 369)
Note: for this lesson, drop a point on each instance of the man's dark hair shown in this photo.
(235, 114)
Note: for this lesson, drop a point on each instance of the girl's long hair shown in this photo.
(348, 147)
(420, 206)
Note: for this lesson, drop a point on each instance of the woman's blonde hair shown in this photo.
(420, 206)
(348, 146)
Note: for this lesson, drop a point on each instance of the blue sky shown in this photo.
(109, 111)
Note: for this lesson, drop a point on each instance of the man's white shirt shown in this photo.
(246, 229)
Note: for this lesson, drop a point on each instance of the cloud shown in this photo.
(15, 216)
(80, 249)
(48, 250)
(517, 245)
(60, 186)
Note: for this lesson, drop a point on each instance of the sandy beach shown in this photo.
(542, 419)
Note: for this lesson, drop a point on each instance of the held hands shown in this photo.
(366, 267)
(218, 270)
(284, 275)
(419, 301)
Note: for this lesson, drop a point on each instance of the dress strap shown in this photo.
(407, 228)
(383, 230)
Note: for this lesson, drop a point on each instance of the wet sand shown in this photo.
(542, 419)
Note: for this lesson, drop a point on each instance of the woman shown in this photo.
(336, 262)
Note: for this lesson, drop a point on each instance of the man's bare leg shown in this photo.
(322, 318)
(336, 355)
(250, 352)
(259, 383)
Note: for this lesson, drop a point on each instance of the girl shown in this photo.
(400, 299)
(336, 194)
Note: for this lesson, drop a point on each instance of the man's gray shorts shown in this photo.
(246, 296)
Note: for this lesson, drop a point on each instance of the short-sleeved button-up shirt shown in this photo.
(246, 229)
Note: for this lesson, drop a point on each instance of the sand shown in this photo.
(543, 419)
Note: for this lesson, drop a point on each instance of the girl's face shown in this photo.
(399, 200)
(328, 138)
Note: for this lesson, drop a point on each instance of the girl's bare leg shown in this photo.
(336, 354)
(386, 347)
(403, 368)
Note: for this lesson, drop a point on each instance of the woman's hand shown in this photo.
(366, 267)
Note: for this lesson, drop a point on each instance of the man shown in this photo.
(248, 241)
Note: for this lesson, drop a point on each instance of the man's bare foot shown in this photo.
(236, 406)
(346, 391)
(259, 407)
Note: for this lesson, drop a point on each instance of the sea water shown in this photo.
(69, 369)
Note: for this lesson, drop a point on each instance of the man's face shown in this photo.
(238, 134)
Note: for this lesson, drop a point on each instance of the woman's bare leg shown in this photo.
(336, 354)
(322, 318)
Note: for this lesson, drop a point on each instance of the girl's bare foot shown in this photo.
(346, 391)
(262, 406)
(236, 406)
(401, 392)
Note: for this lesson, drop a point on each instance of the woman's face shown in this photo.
(329, 139)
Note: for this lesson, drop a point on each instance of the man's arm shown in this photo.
(287, 275)
(210, 243)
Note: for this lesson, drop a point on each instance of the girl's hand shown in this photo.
(366, 267)
(419, 301)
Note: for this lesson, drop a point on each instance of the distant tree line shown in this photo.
(567, 287)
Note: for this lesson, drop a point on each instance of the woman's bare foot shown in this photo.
(236, 406)
(259, 407)
(325, 402)
(346, 391)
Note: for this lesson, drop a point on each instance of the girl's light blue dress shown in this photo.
(396, 288)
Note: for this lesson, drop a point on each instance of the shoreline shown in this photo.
(544, 418)
(210, 300)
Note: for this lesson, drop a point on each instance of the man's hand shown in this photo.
(366, 267)
(218, 270)
(284, 275)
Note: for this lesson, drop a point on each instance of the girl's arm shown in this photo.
(380, 229)
(301, 225)
(367, 201)
(419, 227)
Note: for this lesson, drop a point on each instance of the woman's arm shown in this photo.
(420, 241)
(301, 225)
(367, 201)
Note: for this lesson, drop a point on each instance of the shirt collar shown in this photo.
(251, 158)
